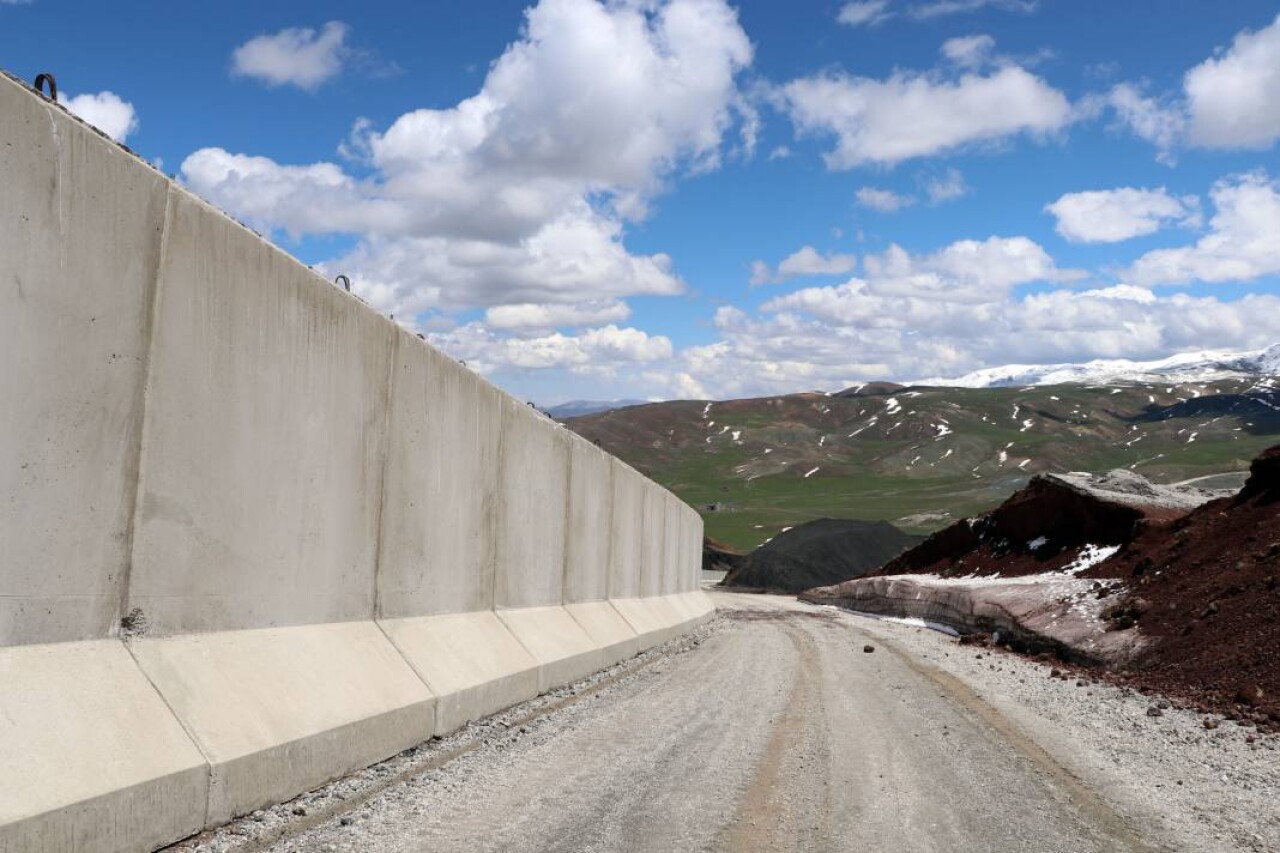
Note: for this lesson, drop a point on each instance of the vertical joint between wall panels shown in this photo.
(388, 389)
(143, 396)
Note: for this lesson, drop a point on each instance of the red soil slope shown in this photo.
(1065, 517)
(1206, 588)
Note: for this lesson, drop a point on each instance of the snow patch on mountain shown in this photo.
(1202, 366)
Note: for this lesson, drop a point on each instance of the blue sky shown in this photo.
(693, 198)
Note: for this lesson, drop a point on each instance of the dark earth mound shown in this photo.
(819, 553)
(1206, 587)
(719, 557)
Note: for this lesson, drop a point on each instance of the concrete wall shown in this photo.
(253, 535)
(440, 504)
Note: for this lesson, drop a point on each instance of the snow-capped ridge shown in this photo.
(1202, 366)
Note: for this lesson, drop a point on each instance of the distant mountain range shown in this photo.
(1204, 366)
(922, 457)
(578, 408)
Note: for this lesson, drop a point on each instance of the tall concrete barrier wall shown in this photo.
(253, 535)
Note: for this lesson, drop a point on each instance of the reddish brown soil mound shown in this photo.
(1038, 529)
(1207, 588)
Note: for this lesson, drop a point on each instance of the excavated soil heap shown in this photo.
(719, 557)
(1044, 526)
(1206, 588)
(819, 553)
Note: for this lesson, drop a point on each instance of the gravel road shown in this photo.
(773, 729)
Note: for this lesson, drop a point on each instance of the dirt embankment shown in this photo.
(1044, 526)
(1206, 590)
(825, 551)
(1157, 587)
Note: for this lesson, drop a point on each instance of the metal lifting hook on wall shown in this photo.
(344, 281)
(46, 77)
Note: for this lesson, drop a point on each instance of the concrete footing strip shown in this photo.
(95, 759)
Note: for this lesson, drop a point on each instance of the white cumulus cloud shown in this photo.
(964, 271)
(943, 8)
(969, 51)
(805, 261)
(863, 12)
(872, 12)
(885, 201)
(297, 56)
(601, 350)
(1232, 98)
(1109, 216)
(946, 187)
(521, 193)
(1226, 102)
(1241, 245)
(884, 327)
(1160, 121)
(917, 114)
(106, 111)
(525, 316)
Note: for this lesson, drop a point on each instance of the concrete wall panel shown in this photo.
(588, 539)
(90, 757)
(533, 490)
(263, 438)
(626, 532)
(653, 541)
(277, 711)
(673, 544)
(695, 558)
(471, 662)
(684, 582)
(80, 233)
(692, 568)
(439, 511)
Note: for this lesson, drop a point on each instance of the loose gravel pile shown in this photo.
(819, 553)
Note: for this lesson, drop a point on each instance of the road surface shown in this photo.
(778, 732)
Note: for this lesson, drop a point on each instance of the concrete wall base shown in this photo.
(90, 757)
(696, 607)
(564, 651)
(655, 620)
(471, 661)
(607, 629)
(278, 711)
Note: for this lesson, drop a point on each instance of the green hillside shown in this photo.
(922, 457)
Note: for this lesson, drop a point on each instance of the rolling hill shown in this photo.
(923, 456)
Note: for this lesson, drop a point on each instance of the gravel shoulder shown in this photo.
(1185, 786)
(772, 729)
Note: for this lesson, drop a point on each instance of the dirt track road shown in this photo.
(777, 732)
